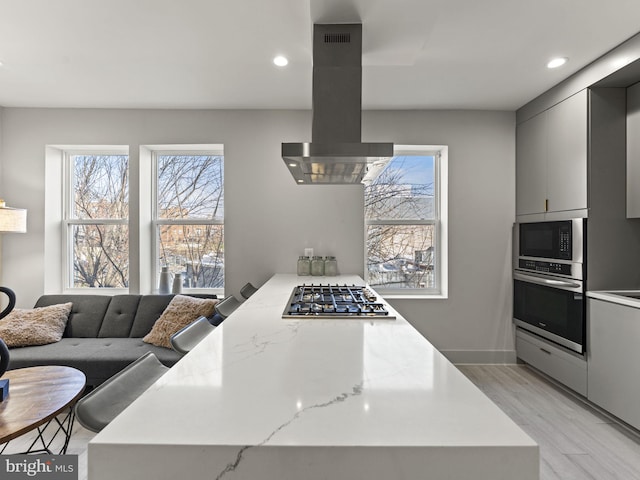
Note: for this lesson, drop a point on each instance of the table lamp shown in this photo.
(12, 220)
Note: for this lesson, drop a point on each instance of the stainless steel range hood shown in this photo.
(336, 154)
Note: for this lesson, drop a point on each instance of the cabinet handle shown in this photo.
(546, 204)
(545, 351)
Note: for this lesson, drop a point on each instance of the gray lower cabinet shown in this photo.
(614, 359)
(566, 367)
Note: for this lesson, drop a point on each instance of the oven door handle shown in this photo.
(546, 281)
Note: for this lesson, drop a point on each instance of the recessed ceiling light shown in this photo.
(557, 62)
(280, 61)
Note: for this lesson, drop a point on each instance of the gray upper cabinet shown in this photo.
(633, 151)
(551, 158)
(531, 165)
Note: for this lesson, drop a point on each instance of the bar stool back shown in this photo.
(188, 337)
(95, 410)
(227, 306)
(248, 290)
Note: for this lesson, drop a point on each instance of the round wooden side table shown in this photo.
(37, 395)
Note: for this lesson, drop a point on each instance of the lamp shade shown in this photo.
(12, 219)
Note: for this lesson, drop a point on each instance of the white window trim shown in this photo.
(68, 222)
(153, 151)
(441, 152)
(55, 229)
(142, 271)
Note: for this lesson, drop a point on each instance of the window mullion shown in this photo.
(187, 221)
(96, 221)
(399, 222)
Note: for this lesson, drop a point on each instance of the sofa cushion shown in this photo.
(98, 358)
(149, 310)
(181, 311)
(118, 320)
(86, 315)
(38, 326)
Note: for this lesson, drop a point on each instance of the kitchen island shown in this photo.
(268, 398)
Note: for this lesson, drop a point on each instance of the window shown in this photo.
(125, 214)
(405, 221)
(189, 217)
(96, 220)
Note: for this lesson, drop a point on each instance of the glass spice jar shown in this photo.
(317, 266)
(330, 266)
(304, 265)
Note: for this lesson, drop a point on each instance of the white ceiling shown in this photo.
(426, 54)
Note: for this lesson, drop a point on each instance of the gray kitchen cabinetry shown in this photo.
(531, 165)
(613, 358)
(551, 158)
(567, 367)
(633, 151)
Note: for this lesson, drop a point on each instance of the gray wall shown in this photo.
(269, 219)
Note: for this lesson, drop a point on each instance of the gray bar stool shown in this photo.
(188, 337)
(248, 290)
(227, 306)
(95, 410)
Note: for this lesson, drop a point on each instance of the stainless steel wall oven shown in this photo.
(548, 281)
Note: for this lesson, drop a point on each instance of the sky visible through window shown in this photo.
(414, 170)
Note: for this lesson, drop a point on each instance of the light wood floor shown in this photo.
(576, 442)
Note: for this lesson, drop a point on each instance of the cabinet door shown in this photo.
(531, 159)
(567, 154)
(633, 151)
(613, 358)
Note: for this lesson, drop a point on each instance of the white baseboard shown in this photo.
(506, 357)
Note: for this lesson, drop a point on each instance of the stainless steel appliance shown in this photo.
(548, 281)
(335, 301)
(336, 154)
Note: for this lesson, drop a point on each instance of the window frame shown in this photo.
(156, 222)
(440, 223)
(68, 221)
(58, 245)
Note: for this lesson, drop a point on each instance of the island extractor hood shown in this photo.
(336, 154)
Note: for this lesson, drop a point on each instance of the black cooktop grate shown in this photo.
(334, 301)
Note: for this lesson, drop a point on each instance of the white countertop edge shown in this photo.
(616, 296)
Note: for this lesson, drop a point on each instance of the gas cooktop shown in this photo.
(334, 301)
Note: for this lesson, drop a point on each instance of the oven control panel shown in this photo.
(546, 267)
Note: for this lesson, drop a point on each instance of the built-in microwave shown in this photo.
(562, 241)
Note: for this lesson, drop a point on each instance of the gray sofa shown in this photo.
(103, 335)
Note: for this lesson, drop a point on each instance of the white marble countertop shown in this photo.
(266, 397)
(617, 296)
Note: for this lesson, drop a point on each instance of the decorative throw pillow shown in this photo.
(39, 326)
(180, 312)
